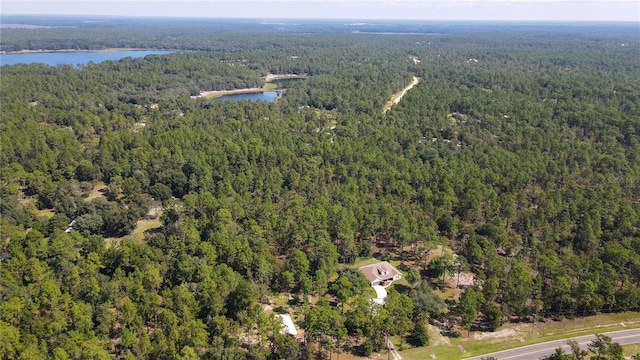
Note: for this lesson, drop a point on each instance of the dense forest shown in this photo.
(515, 159)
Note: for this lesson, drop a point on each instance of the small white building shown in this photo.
(70, 228)
(289, 326)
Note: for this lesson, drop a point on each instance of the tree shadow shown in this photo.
(401, 288)
(280, 310)
(152, 231)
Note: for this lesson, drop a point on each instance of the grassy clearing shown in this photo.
(553, 330)
(360, 262)
(144, 225)
(95, 192)
(30, 205)
(270, 87)
(448, 293)
(630, 350)
(510, 336)
(109, 242)
(347, 356)
(279, 300)
(45, 213)
(138, 233)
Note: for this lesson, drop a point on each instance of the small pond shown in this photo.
(269, 96)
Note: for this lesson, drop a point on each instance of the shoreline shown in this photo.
(107, 50)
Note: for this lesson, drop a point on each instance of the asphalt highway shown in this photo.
(538, 351)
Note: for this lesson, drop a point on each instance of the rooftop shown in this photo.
(289, 326)
(379, 271)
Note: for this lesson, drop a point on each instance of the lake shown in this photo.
(269, 96)
(74, 57)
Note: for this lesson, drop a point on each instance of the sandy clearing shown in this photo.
(96, 191)
(496, 334)
(269, 78)
(227, 92)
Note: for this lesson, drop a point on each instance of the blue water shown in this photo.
(269, 96)
(74, 58)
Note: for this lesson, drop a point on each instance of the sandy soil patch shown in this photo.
(215, 93)
(509, 332)
(395, 99)
(460, 280)
(436, 338)
(97, 191)
(272, 77)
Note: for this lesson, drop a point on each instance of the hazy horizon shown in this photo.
(481, 10)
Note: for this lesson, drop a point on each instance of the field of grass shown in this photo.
(510, 336)
(347, 356)
(137, 233)
(630, 350)
(270, 86)
(144, 225)
(30, 204)
(45, 213)
(360, 262)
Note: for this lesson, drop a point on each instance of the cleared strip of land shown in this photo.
(395, 99)
(218, 93)
(268, 86)
(274, 77)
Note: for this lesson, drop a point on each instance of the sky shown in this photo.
(511, 10)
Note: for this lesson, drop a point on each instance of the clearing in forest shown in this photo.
(268, 86)
(96, 191)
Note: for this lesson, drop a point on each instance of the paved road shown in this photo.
(537, 351)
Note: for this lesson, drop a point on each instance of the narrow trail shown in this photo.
(395, 99)
(396, 355)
